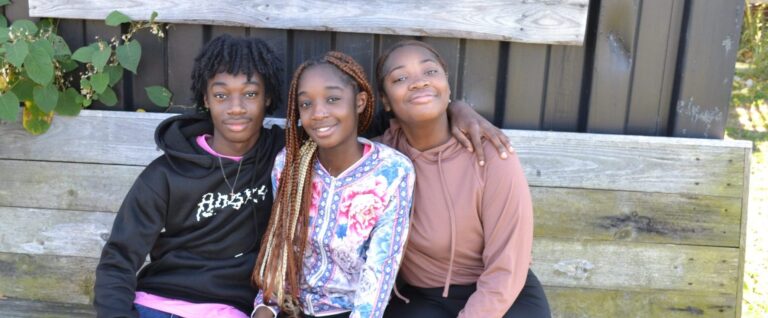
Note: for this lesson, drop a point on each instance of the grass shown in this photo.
(748, 120)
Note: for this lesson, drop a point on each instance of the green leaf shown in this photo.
(99, 81)
(4, 34)
(68, 64)
(153, 16)
(129, 55)
(3, 21)
(4, 2)
(83, 54)
(24, 26)
(35, 120)
(115, 73)
(9, 106)
(101, 57)
(60, 47)
(46, 97)
(108, 97)
(45, 45)
(38, 64)
(115, 18)
(68, 104)
(159, 95)
(23, 89)
(45, 25)
(85, 83)
(16, 52)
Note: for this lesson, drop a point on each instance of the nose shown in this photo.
(319, 111)
(419, 83)
(236, 107)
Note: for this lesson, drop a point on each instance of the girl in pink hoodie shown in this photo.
(469, 249)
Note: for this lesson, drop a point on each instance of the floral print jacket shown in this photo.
(358, 226)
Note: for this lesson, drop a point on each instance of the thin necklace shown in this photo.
(231, 186)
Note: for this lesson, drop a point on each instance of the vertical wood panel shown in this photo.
(657, 41)
(278, 41)
(450, 50)
(151, 70)
(184, 43)
(564, 80)
(72, 31)
(478, 85)
(97, 29)
(526, 78)
(18, 9)
(711, 42)
(217, 30)
(307, 45)
(360, 47)
(612, 71)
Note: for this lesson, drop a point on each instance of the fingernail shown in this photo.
(511, 149)
(504, 155)
(482, 163)
(469, 148)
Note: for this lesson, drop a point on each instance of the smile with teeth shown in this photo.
(322, 131)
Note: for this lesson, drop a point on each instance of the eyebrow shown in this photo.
(402, 66)
(329, 87)
(249, 82)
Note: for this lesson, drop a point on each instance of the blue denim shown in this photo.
(146, 312)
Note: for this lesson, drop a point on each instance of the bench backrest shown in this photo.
(625, 225)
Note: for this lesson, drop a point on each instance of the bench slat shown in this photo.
(525, 21)
(23, 308)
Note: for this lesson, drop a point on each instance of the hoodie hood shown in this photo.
(176, 137)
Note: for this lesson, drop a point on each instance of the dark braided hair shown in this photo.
(249, 56)
(279, 265)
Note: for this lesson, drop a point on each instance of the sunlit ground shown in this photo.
(750, 122)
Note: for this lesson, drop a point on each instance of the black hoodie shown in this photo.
(201, 240)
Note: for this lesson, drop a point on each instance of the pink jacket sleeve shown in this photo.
(507, 217)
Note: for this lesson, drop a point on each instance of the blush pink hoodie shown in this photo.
(470, 224)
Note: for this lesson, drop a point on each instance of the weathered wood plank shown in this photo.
(18, 10)
(561, 109)
(637, 217)
(54, 232)
(743, 239)
(612, 71)
(558, 263)
(526, 79)
(646, 164)
(478, 80)
(47, 278)
(519, 20)
(658, 36)
(706, 74)
(635, 266)
(184, 42)
(92, 137)
(71, 186)
(591, 303)
(560, 213)
(22, 308)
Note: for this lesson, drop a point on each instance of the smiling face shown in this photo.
(237, 105)
(328, 106)
(415, 85)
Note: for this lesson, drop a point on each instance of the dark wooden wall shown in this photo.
(647, 67)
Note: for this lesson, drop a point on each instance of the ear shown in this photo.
(360, 100)
(385, 102)
(268, 102)
(205, 101)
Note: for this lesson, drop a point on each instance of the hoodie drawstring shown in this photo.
(452, 213)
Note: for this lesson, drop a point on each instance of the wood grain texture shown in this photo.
(526, 81)
(536, 21)
(478, 80)
(564, 80)
(711, 42)
(658, 36)
(23, 308)
(592, 303)
(622, 216)
(54, 232)
(612, 70)
(61, 185)
(635, 266)
(47, 278)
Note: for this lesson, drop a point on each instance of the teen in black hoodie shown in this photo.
(201, 217)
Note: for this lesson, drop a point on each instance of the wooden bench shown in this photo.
(626, 226)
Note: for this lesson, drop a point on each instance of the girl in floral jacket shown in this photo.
(340, 219)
